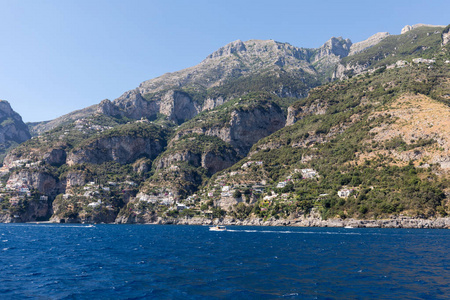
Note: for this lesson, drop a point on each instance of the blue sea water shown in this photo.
(189, 262)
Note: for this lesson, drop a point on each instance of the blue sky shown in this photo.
(62, 55)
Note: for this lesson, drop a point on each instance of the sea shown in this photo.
(65, 261)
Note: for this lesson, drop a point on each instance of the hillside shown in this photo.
(418, 42)
(380, 140)
(235, 137)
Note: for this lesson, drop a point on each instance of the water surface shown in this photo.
(189, 262)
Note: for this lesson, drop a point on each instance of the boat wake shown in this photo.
(291, 231)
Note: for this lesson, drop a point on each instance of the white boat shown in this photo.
(218, 228)
(349, 227)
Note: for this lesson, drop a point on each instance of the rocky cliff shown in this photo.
(27, 211)
(13, 130)
(243, 127)
(40, 180)
(366, 44)
(123, 147)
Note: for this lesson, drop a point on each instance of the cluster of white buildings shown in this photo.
(17, 163)
(166, 199)
(20, 186)
(423, 61)
(83, 124)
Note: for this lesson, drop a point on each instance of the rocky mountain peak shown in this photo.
(6, 112)
(5, 107)
(335, 46)
(233, 47)
(12, 128)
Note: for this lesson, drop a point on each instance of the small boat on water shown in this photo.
(218, 228)
(349, 227)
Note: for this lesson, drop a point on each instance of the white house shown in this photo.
(344, 193)
(281, 184)
(309, 173)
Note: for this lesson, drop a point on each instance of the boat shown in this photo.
(349, 227)
(218, 228)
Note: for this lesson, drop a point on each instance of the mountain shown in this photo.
(13, 130)
(257, 132)
(233, 70)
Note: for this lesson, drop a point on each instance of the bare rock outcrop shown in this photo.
(131, 104)
(334, 47)
(43, 182)
(178, 106)
(329, 55)
(296, 112)
(245, 127)
(213, 162)
(121, 149)
(366, 44)
(75, 178)
(446, 36)
(12, 129)
(411, 27)
(55, 156)
(31, 210)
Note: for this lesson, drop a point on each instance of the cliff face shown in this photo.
(446, 36)
(212, 161)
(245, 127)
(297, 112)
(121, 149)
(29, 211)
(12, 129)
(43, 182)
(131, 104)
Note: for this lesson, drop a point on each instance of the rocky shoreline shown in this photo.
(302, 221)
(397, 222)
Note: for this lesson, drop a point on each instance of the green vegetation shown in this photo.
(333, 142)
(280, 83)
(197, 144)
(422, 42)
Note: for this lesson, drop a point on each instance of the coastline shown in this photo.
(302, 221)
(397, 222)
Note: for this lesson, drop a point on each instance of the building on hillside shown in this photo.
(181, 207)
(309, 173)
(281, 184)
(345, 193)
